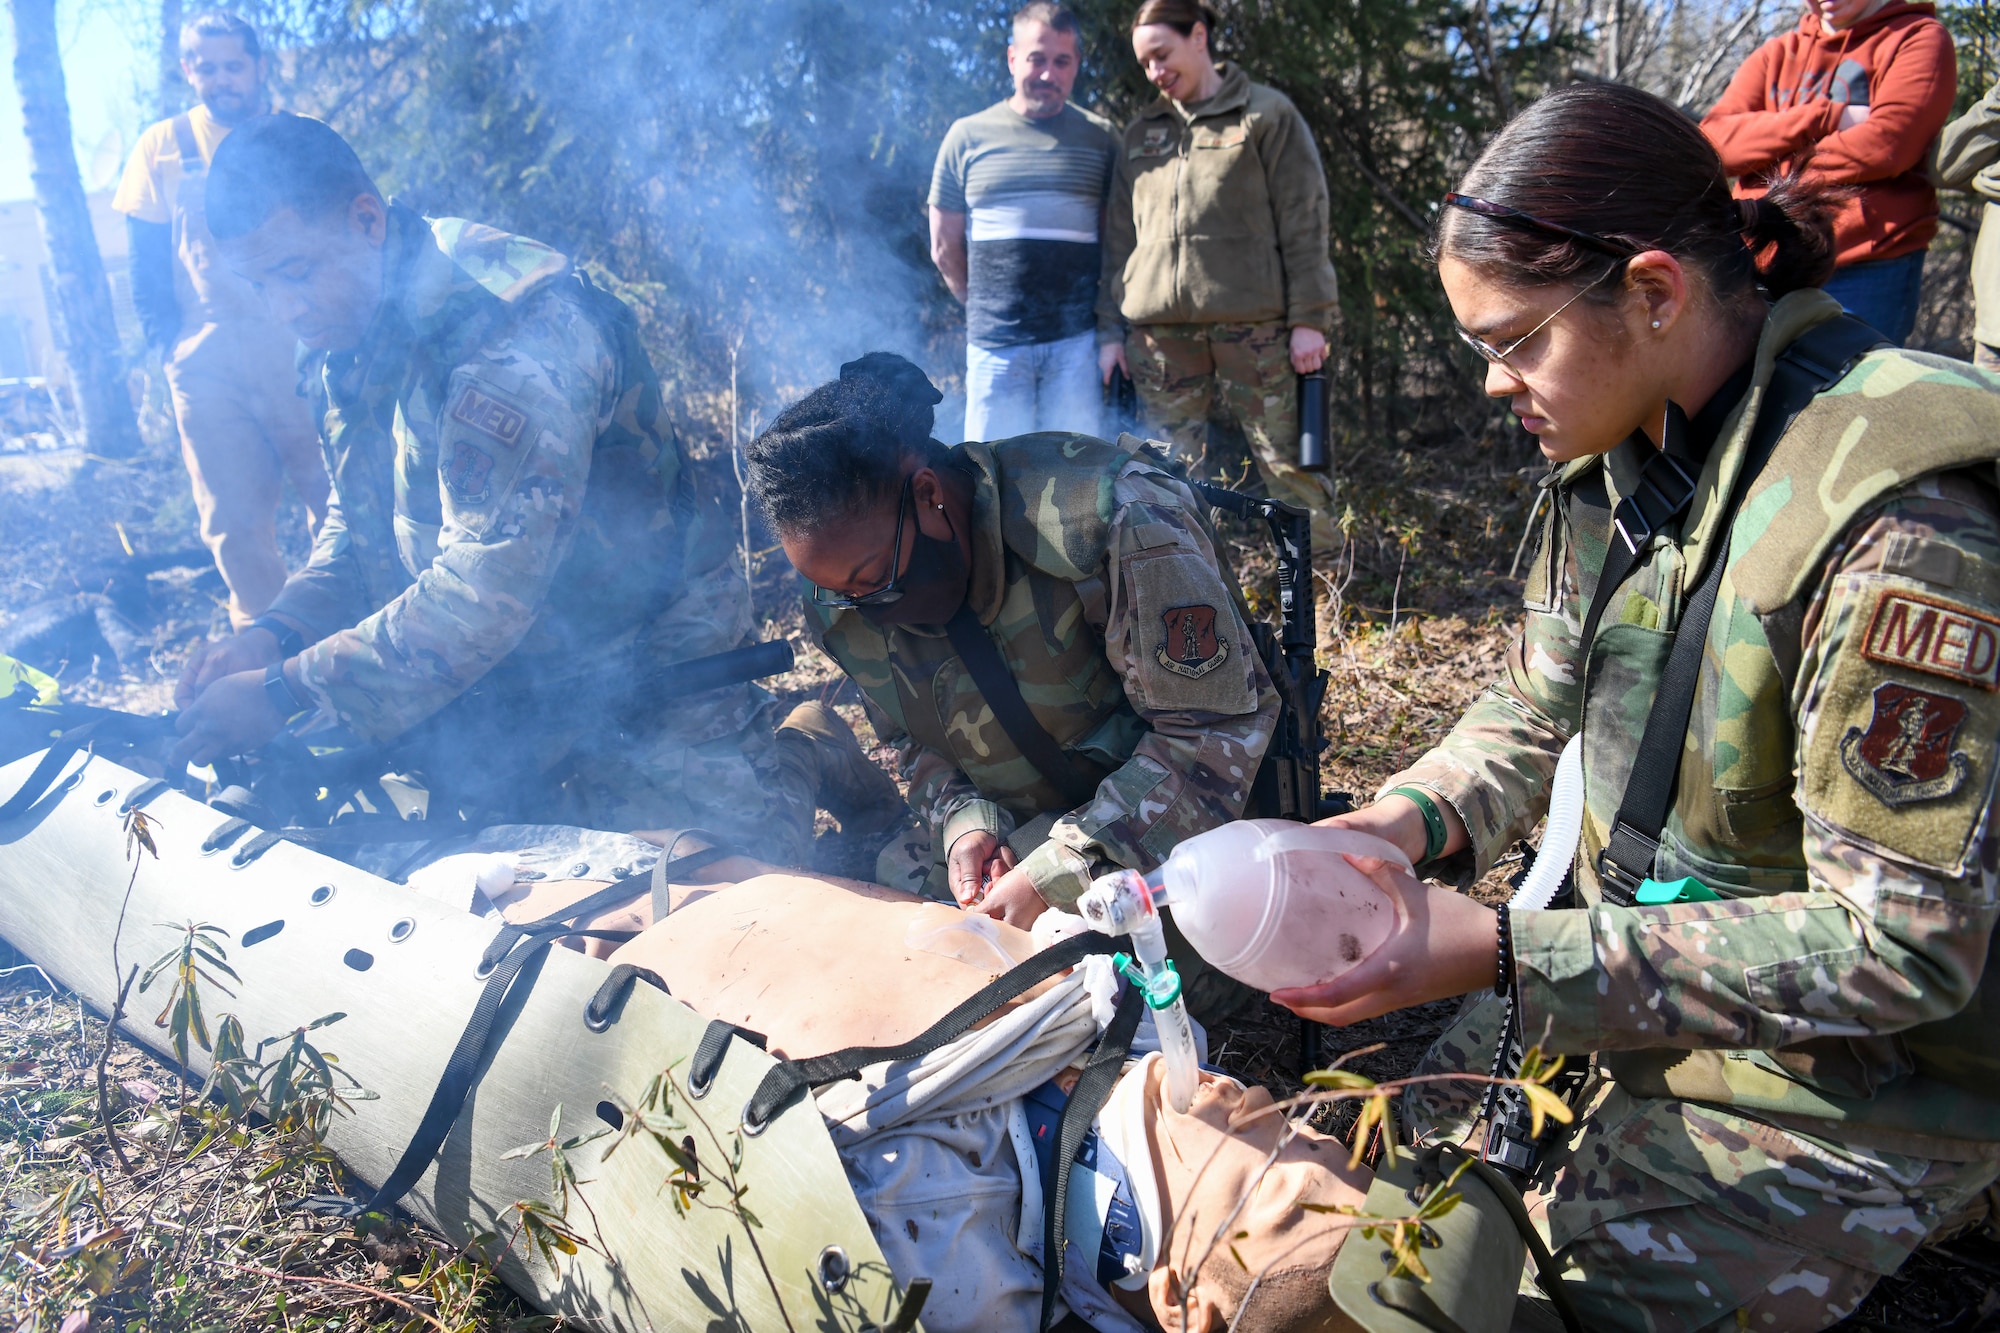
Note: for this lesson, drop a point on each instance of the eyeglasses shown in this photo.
(1487, 208)
(1499, 355)
(892, 591)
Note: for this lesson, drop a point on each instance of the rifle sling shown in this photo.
(1074, 778)
(1814, 362)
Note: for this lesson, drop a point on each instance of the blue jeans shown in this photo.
(1881, 292)
(1013, 391)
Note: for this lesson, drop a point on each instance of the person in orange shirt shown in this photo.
(244, 427)
(1855, 95)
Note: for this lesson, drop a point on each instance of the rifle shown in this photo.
(1287, 785)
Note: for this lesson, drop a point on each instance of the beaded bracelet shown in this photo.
(1503, 971)
(1434, 829)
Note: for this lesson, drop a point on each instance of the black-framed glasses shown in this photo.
(892, 591)
(1487, 208)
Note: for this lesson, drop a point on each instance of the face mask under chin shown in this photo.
(934, 586)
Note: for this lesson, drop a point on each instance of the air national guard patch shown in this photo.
(469, 473)
(1935, 636)
(1905, 753)
(1192, 647)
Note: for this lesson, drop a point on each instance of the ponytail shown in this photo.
(1789, 232)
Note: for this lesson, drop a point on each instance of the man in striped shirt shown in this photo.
(1015, 208)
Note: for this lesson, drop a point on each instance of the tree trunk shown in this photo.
(173, 88)
(81, 314)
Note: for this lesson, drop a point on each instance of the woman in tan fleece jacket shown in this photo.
(1217, 290)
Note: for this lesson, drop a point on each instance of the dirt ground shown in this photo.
(103, 582)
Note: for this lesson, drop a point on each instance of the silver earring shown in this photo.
(1656, 323)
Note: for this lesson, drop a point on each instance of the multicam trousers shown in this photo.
(1669, 1217)
(1188, 374)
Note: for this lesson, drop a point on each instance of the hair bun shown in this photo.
(897, 374)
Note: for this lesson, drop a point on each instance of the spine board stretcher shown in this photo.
(63, 874)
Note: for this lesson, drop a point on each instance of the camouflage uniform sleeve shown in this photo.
(515, 436)
(328, 593)
(1495, 766)
(940, 794)
(1897, 718)
(1173, 630)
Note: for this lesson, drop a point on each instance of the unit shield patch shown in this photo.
(1192, 647)
(1905, 752)
(469, 473)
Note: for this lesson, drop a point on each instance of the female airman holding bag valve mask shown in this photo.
(1782, 975)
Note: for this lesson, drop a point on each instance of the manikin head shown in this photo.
(1596, 260)
(1043, 58)
(1171, 40)
(869, 508)
(296, 215)
(224, 64)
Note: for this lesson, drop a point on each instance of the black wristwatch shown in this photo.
(279, 691)
(290, 642)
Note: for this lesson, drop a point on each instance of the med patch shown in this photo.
(489, 416)
(485, 435)
(1899, 748)
(1935, 636)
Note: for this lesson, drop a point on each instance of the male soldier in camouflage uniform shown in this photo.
(1088, 566)
(514, 540)
(1796, 1083)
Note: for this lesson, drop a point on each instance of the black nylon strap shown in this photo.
(460, 1072)
(1086, 1099)
(714, 1044)
(144, 793)
(1060, 769)
(185, 143)
(44, 776)
(792, 1077)
(605, 1006)
(1811, 364)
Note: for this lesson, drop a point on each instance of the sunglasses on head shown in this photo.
(1487, 208)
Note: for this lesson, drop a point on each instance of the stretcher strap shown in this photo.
(708, 1054)
(604, 1007)
(44, 776)
(792, 1077)
(1086, 1099)
(509, 965)
(143, 793)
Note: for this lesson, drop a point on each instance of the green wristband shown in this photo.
(1434, 830)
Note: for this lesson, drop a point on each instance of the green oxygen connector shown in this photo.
(1159, 991)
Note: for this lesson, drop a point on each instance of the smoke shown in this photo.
(752, 172)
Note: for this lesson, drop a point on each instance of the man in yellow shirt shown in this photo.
(244, 427)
